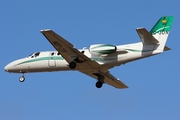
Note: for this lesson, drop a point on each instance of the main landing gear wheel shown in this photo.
(72, 65)
(22, 79)
(99, 84)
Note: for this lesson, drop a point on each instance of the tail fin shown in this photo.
(161, 30)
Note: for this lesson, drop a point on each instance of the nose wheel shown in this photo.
(22, 78)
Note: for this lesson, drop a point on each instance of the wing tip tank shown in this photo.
(45, 30)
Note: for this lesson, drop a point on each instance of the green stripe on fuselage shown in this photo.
(133, 50)
(61, 58)
(41, 59)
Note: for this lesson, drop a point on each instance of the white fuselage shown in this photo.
(51, 61)
(98, 58)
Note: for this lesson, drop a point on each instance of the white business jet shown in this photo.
(96, 60)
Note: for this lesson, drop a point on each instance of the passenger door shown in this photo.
(51, 61)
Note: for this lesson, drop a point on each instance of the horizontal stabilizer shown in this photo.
(166, 48)
(146, 37)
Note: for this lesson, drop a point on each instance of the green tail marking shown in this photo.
(163, 25)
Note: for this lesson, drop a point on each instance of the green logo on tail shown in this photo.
(163, 25)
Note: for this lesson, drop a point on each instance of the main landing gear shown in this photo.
(22, 78)
(72, 65)
(100, 77)
(100, 82)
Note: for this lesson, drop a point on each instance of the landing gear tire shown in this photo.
(72, 65)
(22, 79)
(99, 84)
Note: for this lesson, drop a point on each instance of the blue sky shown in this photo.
(153, 82)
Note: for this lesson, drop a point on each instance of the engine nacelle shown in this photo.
(102, 49)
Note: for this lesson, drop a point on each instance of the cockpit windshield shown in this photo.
(34, 55)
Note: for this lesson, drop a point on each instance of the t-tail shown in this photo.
(161, 30)
(158, 34)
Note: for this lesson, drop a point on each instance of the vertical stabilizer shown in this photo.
(161, 30)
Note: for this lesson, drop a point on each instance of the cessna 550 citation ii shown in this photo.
(96, 60)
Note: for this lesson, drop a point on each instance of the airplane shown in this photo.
(98, 58)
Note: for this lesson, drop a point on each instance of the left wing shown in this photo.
(86, 65)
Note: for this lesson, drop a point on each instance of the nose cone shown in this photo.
(8, 67)
(11, 67)
(14, 67)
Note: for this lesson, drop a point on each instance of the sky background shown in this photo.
(153, 92)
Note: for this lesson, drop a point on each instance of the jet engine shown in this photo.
(102, 49)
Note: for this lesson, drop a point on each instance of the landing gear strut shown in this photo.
(100, 79)
(22, 78)
(72, 64)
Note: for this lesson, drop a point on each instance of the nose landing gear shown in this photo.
(22, 78)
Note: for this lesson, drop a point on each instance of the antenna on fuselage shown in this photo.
(83, 49)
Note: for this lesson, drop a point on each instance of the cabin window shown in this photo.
(58, 53)
(52, 54)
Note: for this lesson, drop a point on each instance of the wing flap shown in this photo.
(111, 80)
(146, 37)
